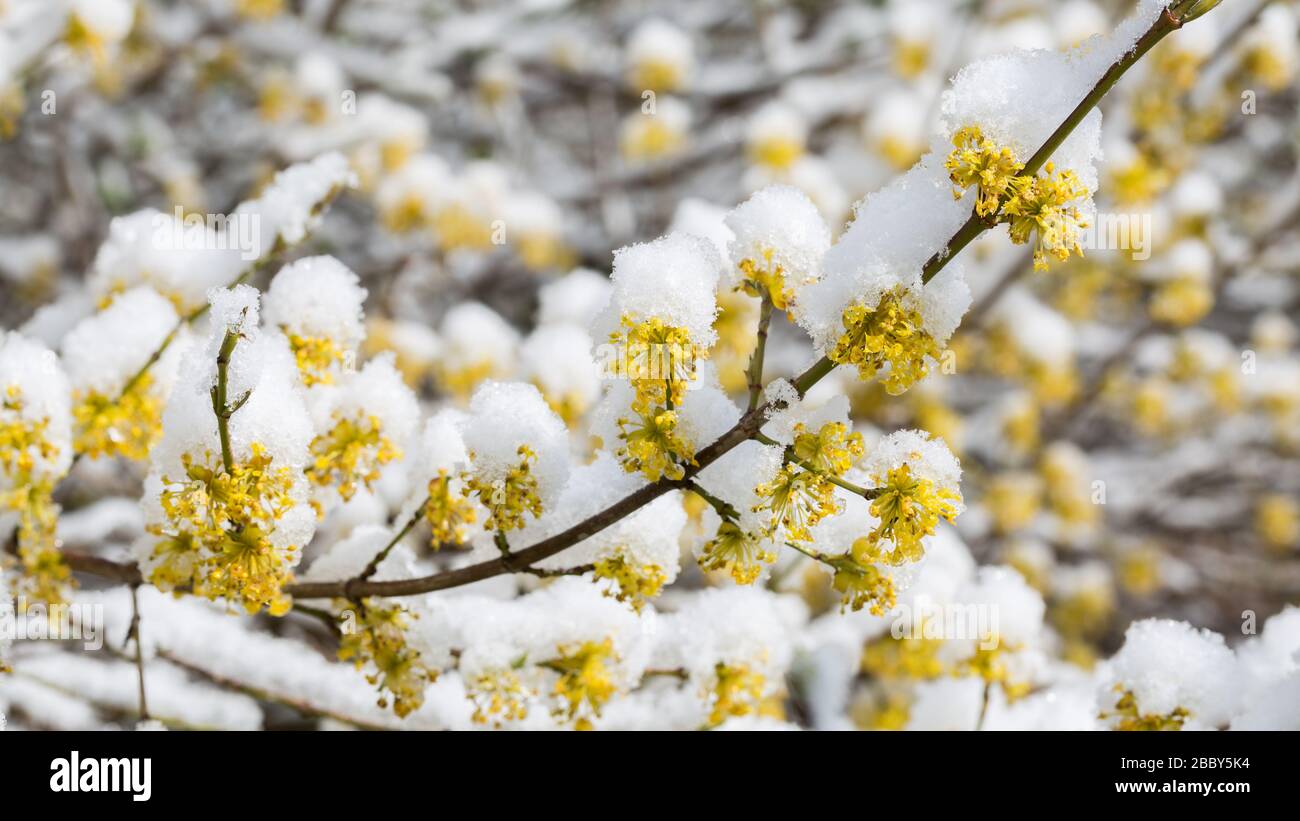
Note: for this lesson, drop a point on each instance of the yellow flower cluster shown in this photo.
(498, 697)
(893, 334)
(126, 425)
(1042, 204)
(379, 637)
(903, 658)
(45, 574)
(634, 583)
(977, 160)
(861, 582)
(797, 501)
(909, 509)
(316, 357)
(653, 445)
(737, 691)
(508, 499)
(739, 553)
(1027, 203)
(217, 536)
(657, 359)
(800, 497)
(586, 683)
(765, 276)
(447, 512)
(1126, 717)
(349, 453)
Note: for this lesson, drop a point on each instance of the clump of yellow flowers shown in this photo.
(736, 552)
(508, 499)
(890, 334)
(350, 453)
(317, 356)
(659, 361)
(634, 583)
(216, 533)
(653, 445)
(25, 445)
(765, 276)
(126, 425)
(861, 581)
(737, 691)
(498, 697)
(802, 494)
(448, 512)
(1126, 717)
(378, 637)
(1026, 203)
(909, 508)
(586, 683)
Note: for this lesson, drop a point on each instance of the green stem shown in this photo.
(755, 371)
(220, 405)
(722, 508)
(867, 493)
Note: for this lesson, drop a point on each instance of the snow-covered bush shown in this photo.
(568, 390)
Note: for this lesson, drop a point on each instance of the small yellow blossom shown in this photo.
(831, 450)
(903, 658)
(765, 277)
(259, 9)
(861, 582)
(777, 152)
(977, 160)
(797, 500)
(379, 638)
(498, 697)
(890, 334)
(650, 138)
(228, 517)
(126, 425)
(1182, 301)
(458, 229)
(508, 499)
(1042, 205)
(656, 75)
(449, 513)
(586, 682)
(737, 691)
(657, 359)
(909, 508)
(654, 446)
(316, 357)
(736, 552)
(349, 453)
(1125, 715)
(634, 584)
(46, 576)
(1013, 499)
